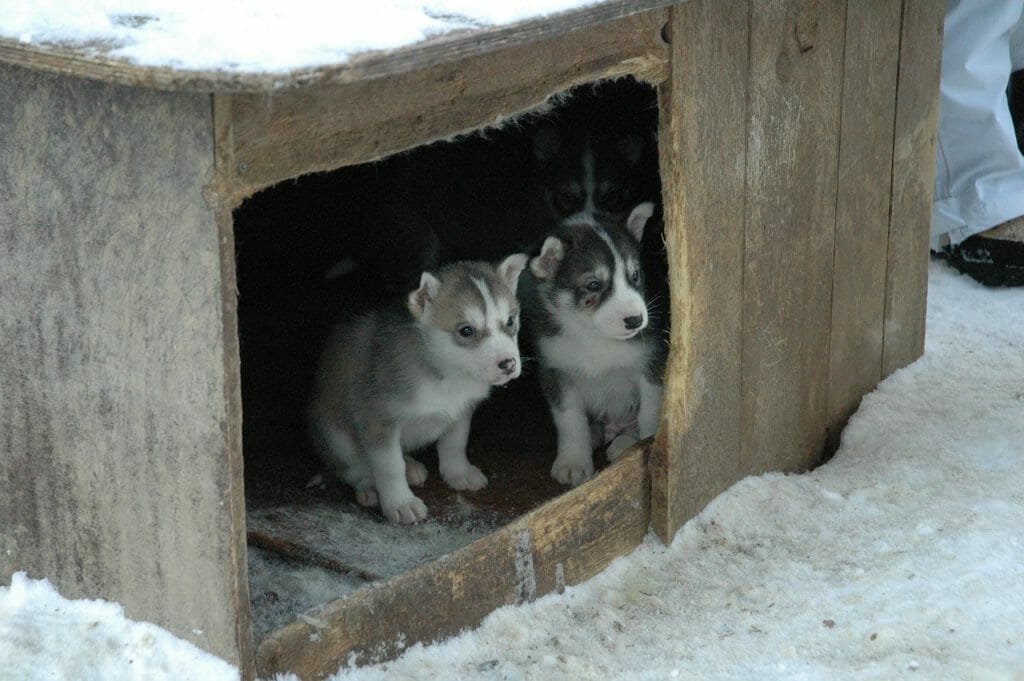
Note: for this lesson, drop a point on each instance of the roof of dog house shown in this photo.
(203, 45)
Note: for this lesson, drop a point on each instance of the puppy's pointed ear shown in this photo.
(638, 218)
(546, 144)
(511, 267)
(545, 265)
(421, 299)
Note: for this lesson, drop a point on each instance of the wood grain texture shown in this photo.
(702, 145)
(862, 206)
(792, 157)
(119, 478)
(913, 173)
(566, 541)
(281, 135)
(237, 559)
(93, 61)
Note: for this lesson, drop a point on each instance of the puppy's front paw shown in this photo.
(467, 478)
(572, 471)
(406, 512)
(367, 496)
(620, 444)
(415, 472)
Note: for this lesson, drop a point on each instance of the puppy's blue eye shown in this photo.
(635, 276)
(467, 331)
(593, 286)
(511, 321)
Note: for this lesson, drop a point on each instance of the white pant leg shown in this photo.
(979, 178)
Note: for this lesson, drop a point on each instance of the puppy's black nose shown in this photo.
(633, 322)
(507, 366)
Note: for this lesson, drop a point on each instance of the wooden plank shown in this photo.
(913, 172)
(862, 206)
(120, 476)
(282, 135)
(566, 541)
(702, 144)
(792, 157)
(304, 552)
(237, 564)
(93, 61)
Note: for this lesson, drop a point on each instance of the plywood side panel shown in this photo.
(702, 145)
(862, 206)
(796, 58)
(118, 474)
(566, 541)
(282, 135)
(913, 173)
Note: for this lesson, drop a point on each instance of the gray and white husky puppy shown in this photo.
(600, 361)
(399, 378)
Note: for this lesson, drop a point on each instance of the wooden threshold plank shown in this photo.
(566, 541)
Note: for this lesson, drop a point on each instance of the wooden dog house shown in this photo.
(796, 152)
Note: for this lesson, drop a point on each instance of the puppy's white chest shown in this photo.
(446, 398)
(591, 356)
(435, 406)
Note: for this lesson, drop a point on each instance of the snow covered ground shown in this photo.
(901, 558)
(253, 35)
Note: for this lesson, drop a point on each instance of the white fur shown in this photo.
(638, 217)
(605, 381)
(574, 462)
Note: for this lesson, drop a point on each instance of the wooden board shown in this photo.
(796, 57)
(565, 541)
(277, 136)
(120, 475)
(92, 60)
(913, 172)
(862, 207)
(702, 144)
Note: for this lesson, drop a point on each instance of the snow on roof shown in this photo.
(253, 35)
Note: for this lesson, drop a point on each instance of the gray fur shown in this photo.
(396, 379)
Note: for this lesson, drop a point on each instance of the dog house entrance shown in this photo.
(309, 249)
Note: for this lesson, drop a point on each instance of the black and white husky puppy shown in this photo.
(600, 360)
(399, 378)
(588, 173)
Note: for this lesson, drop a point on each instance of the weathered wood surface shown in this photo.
(120, 468)
(796, 154)
(702, 146)
(796, 58)
(566, 541)
(862, 206)
(913, 173)
(93, 61)
(281, 135)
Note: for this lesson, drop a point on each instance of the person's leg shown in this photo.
(979, 181)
